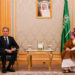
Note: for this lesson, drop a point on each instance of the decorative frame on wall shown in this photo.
(43, 8)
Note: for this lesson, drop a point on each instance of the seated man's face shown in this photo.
(5, 32)
(74, 31)
(44, 6)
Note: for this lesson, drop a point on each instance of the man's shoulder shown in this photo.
(10, 37)
(1, 37)
(70, 39)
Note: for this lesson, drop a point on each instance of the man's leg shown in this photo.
(12, 60)
(3, 58)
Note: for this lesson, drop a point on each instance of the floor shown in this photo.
(38, 70)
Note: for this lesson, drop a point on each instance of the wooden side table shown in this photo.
(31, 52)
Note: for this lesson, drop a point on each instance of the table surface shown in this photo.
(40, 50)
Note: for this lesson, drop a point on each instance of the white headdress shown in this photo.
(44, 2)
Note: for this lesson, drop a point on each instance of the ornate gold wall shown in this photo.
(5, 14)
(29, 29)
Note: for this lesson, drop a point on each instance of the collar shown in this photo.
(5, 37)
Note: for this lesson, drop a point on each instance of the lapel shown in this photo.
(9, 39)
(4, 40)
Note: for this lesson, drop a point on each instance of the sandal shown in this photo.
(66, 71)
(71, 71)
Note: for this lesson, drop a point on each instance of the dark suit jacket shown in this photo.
(12, 43)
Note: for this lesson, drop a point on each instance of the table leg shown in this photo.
(29, 62)
(50, 61)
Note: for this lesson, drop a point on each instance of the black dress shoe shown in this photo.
(10, 70)
(4, 70)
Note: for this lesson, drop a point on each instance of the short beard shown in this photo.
(74, 35)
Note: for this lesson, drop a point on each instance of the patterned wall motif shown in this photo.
(30, 29)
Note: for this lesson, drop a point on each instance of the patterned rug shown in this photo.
(36, 73)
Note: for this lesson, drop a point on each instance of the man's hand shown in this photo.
(68, 49)
(8, 51)
(13, 49)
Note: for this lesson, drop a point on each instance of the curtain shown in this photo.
(5, 15)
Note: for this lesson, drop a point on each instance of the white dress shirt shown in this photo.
(7, 39)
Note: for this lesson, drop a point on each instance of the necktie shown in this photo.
(6, 42)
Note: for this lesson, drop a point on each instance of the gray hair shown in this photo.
(5, 28)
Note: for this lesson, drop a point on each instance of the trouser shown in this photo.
(12, 59)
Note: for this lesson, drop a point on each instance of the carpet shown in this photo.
(36, 73)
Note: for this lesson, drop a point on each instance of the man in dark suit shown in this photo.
(8, 46)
